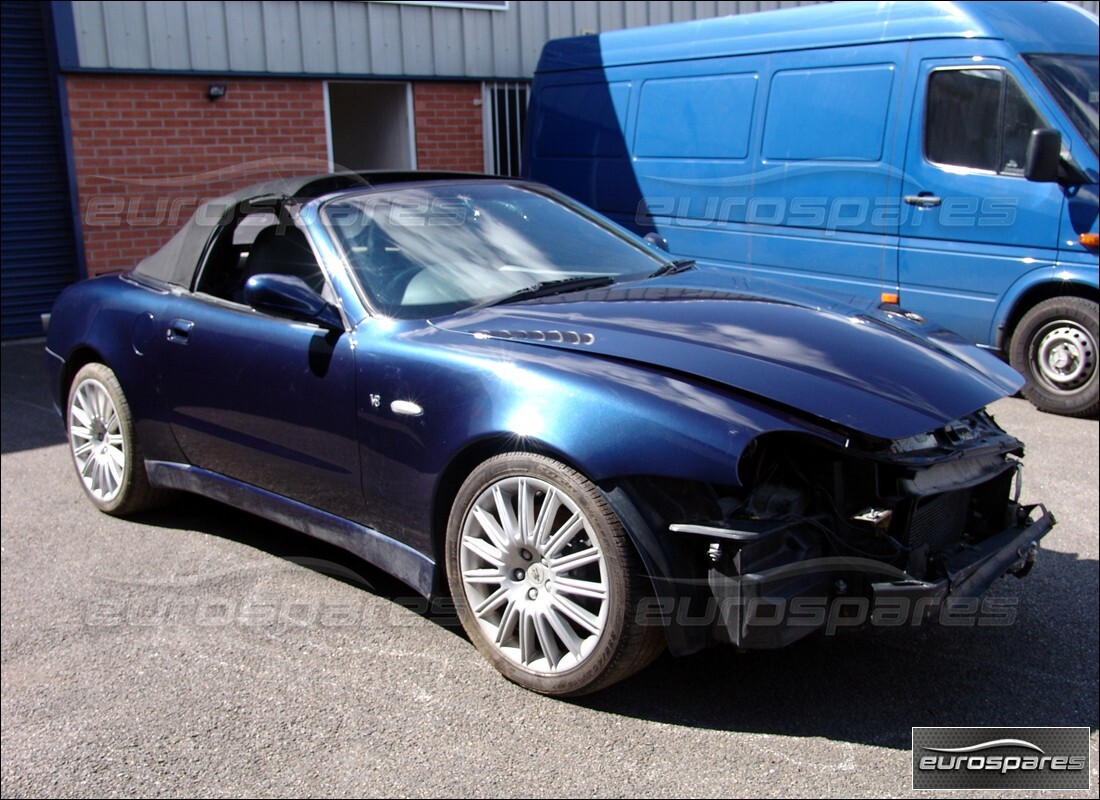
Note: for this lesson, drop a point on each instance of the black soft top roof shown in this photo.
(175, 262)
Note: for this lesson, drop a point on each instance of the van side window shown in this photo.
(978, 119)
(1020, 119)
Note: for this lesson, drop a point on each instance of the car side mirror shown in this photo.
(1044, 151)
(657, 240)
(290, 296)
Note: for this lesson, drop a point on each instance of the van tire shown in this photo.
(1055, 348)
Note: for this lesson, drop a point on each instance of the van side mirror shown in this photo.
(1044, 150)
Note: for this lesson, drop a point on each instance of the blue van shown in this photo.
(938, 155)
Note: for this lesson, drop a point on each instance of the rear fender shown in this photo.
(120, 324)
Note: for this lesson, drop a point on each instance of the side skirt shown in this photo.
(398, 559)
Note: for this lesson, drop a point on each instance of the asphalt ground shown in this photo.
(200, 651)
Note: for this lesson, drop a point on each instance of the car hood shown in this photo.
(869, 371)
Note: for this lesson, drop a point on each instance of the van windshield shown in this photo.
(1073, 82)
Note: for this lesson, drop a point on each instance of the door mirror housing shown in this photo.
(1044, 152)
(290, 296)
(657, 240)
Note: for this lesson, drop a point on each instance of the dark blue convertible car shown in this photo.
(483, 388)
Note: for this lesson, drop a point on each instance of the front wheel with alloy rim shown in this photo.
(1054, 348)
(103, 444)
(545, 578)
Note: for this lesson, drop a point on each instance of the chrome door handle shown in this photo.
(923, 200)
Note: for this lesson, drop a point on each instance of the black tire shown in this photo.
(553, 602)
(105, 450)
(1054, 348)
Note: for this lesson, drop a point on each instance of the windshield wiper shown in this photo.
(672, 267)
(559, 286)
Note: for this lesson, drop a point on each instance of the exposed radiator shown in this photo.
(939, 521)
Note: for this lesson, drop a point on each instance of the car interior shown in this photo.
(258, 244)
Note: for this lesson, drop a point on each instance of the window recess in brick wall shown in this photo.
(504, 107)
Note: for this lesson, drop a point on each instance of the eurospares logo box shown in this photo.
(1001, 758)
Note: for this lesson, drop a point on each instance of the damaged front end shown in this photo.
(819, 537)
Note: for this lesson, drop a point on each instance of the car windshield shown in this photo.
(424, 251)
(1073, 82)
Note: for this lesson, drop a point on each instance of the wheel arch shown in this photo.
(663, 558)
(458, 469)
(1031, 297)
(76, 360)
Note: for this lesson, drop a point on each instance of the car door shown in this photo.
(264, 400)
(971, 224)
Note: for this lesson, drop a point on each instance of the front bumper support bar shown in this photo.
(971, 572)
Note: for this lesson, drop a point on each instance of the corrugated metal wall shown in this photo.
(326, 37)
(354, 38)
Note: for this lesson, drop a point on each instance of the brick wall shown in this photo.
(147, 150)
(448, 126)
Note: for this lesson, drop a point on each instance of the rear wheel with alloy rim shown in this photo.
(103, 444)
(545, 578)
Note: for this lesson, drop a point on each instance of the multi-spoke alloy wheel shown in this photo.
(105, 450)
(545, 578)
(534, 574)
(96, 439)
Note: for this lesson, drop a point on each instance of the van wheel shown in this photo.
(545, 579)
(1054, 347)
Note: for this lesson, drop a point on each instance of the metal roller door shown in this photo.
(37, 246)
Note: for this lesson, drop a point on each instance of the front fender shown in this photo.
(618, 423)
(615, 419)
(606, 418)
(1049, 280)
